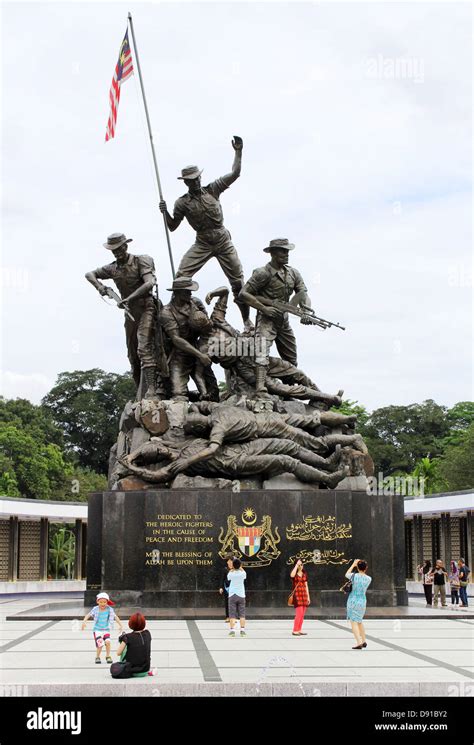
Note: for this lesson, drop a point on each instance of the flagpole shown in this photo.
(151, 141)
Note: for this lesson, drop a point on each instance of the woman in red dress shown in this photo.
(301, 598)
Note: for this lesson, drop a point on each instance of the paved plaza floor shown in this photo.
(432, 656)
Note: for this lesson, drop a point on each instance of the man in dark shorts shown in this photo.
(237, 577)
(224, 588)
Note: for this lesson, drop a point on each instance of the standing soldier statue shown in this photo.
(272, 284)
(202, 209)
(135, 279)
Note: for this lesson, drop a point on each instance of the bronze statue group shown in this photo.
(260, 425)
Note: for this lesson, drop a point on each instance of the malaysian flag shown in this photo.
(123, 70)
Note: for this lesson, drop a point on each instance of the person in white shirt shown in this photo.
(236, 578)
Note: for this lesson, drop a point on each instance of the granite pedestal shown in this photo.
(165, 548)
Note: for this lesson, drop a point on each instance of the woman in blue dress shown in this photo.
(356, 602)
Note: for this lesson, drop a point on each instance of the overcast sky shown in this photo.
(356, 121)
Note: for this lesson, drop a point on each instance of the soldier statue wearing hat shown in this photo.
(135, 279)
(202, 209)
(181, 321)
(274, 282)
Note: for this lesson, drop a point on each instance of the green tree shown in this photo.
(460, 417)
(350, 408)
(61, 552)
(428, 475)
(456, 466)
(399, 436)
(8, 480)
(82, 482)
(39, 469)
(87, 406)
(33, 462)
(78, 484)
(34, 420)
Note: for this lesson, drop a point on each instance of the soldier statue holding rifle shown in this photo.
(273, 283)
(134, 277)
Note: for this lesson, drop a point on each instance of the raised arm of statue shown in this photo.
(219, 185)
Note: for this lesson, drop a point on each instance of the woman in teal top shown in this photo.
(356, 602)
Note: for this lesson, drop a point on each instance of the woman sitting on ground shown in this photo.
(137, 645)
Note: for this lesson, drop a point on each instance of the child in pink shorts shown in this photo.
(104, 616)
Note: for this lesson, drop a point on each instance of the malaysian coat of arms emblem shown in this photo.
(255, 545)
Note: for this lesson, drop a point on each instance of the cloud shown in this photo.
(32, 386)
(369, 174)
